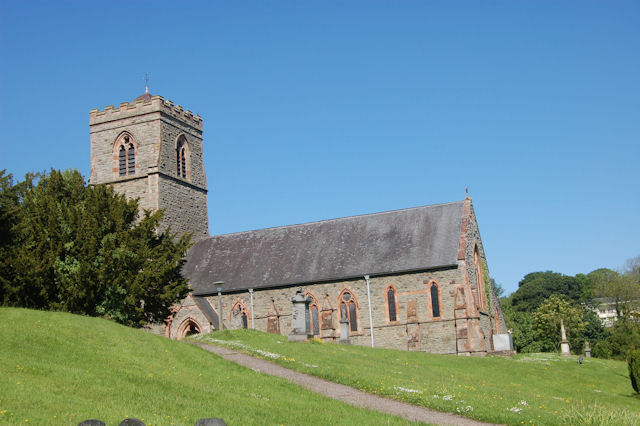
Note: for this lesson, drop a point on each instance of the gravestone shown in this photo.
(344, 330)
(92, 422)
(502, 342)
(236, 318)
(587, 349)
(131, 422)
(213, 421)
(300, 318)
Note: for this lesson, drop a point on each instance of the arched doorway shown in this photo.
(188, 327)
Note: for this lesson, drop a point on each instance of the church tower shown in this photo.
(151, 149)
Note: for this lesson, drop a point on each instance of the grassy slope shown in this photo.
(61, 369)
(555, 390)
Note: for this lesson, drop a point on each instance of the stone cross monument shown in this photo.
(300, 318)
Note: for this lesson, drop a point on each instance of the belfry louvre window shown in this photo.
(181, 158)
(122, 160)
(391, 301)
(126, 158)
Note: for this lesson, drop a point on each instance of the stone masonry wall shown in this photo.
(185, 207)
(155, 127)
(491, 318)
(415, 328)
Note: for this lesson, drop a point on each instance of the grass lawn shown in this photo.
(60, 368)
(526, 389)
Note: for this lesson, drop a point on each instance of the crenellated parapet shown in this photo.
(140, 106)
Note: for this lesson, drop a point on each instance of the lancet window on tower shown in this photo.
(181, 157)
(126, 157)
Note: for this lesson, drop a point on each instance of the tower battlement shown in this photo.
(143, 106)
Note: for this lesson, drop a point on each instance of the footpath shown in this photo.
(340, 392)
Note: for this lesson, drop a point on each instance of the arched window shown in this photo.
(392, 304)
(349, 309)
(126, 156)
(435, 300)
(314, 315)
(182, 154)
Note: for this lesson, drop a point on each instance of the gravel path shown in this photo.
(341, 392)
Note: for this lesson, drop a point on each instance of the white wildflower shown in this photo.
(524, 403)
(514, 409)
(401, 389)
(447, 397)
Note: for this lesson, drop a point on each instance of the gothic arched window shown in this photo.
(349, 309)
(392, 306)
(126, 156)
(314, 315)
(434, 292)
(477, 261)
(182, 154)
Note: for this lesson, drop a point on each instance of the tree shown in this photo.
(86, 250)
(536, 287)
(546, 322)
(623, 290)
(497, 288)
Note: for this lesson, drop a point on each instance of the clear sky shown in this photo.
(321, 109)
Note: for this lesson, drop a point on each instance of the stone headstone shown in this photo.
(587, 349)
(130, 421)
(344, 330)
(92, 422)
(236, 318)
(300, 318)
(502, 342)
(213, 421)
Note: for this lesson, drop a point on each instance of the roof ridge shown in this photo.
(270, 228)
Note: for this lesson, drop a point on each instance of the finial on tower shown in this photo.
(146, 82)
(466, 189)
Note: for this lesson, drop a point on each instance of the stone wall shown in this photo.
(154, 127)
(414, 329)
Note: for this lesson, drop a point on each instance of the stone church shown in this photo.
(412, 279)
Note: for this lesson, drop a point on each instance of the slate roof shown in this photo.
(207, 310)
(397, 241)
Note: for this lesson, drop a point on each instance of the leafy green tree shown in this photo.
(521, 326)
(624, 336)
(623, 290)
(536, 287)
(497, 288)
(87, 250)
(547, 318)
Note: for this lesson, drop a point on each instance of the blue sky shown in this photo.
(321, 109)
